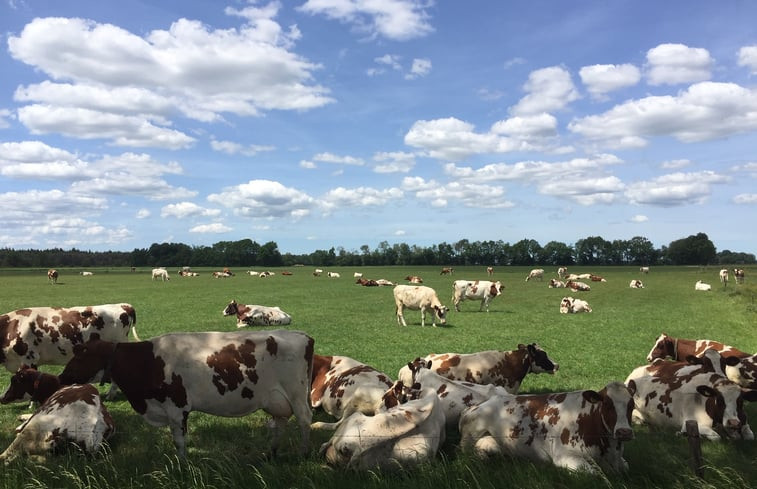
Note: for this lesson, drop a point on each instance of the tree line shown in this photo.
(593, 250)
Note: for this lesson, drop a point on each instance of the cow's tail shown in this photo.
(133, 317)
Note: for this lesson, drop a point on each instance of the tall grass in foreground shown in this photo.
(346, 319)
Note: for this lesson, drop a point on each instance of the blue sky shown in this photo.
(320, 123)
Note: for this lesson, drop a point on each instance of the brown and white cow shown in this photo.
(713, 401)
(30, 384)
(537, 273)
(575, 430)
(52, 276)
(254, 315)
(490, 271)
(636, 284)
(367, 282)
(569, 305)
(476, 290)
(596, 278)
(556, 284)
(454, 395)
(447, 271)
(400, 437)
(644, 269)
(414, 279)
(738, 275)
(577, 286)
(342, 386)
(562, 272)
(223, 374)
(46, 335)
(503, 368)
(419, 297)
(710, 361)
(71, 415)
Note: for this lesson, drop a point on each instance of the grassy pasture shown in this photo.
(346, 319)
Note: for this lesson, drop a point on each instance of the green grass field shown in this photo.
(346, 319)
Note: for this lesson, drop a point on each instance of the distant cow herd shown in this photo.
(379, 421)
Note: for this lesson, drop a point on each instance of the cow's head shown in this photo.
(441, 313)
(496, 288)
(615, 404)
(538, 360)
(231, 309)
(566, 305)
(22, 385)
(89, 363)
(725, 406)
(664, 347)
(416, 366)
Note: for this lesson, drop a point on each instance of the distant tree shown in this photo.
(557, 254)
(593, 250)
(525, 252)
(693, 250)
(641, 251)
(728, 257)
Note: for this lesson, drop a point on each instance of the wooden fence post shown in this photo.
(695, 447)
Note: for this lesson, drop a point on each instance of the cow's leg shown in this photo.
(401, 316)
(423, 317)
(112, 391)
(178, 427)
(277, 425)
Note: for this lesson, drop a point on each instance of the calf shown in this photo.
(343, 386)
(699, 285)
(71, 415)
(417, 297)
(454, 395)
(253, 315)
(479, 290)
(711, 400)
(636, 284)
(223, 374)
(575, 430)
(503, 368)
(400, 437)
(537, 273)
(569, 305)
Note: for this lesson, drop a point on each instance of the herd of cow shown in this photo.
(379, 421)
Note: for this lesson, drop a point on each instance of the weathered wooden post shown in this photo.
(695, 447)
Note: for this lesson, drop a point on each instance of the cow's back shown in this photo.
(479, 368)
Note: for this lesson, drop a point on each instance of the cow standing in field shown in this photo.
(562, 272)
(644, 270)
(447, 271)
(160, 273)
(483, 290)
(738, 275)
(254, 315)
(503, 368)
(724, 277)
(52, 276)
(223, 374)
(537, 273)
(575, 430)
(419, 297)
(489, 271)
(343, 386)
(71, 415)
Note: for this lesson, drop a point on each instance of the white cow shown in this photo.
(417, 297)
(333, 274)
(160, 273)
(402, 436)
(537, 273)
(562, 272)
(72, 415)
(644, 269)
(357, 275)
(575, 430)
(569, 305)
(636, 284)
(86, 274)
(317, 272)
(724, 276)
(254, 315)
(478, 290)
(699, 285)
(220, 373)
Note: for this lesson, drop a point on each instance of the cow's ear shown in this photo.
(428, 365)
(592, 396)
(706, 391)
(692, 360)
(732, 361)
(631, 387)
(411, 366)
(749, 395)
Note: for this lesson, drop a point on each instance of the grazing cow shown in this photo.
(713, 401)
(357, 275)
(596, 278)
(490, 271)
(333, 274)
(556, 284)
(223, 374)
(52, 276)
(400, 437)
(253, 315)
(414, 279)
(454, 395)
(575, 430)
(636, 284)
(86, 274)
(478, 290)
(537, 273)
(73, 415)
(569, 305)
(46, 335)
(447, 271)
(644, 269)
(503, 368)
(724, 277)
(699, 285)
(738, 275)
(417, 297)
(562, 272)
(317, 272)
(577, 286)
(343, 386)
(160, 273)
